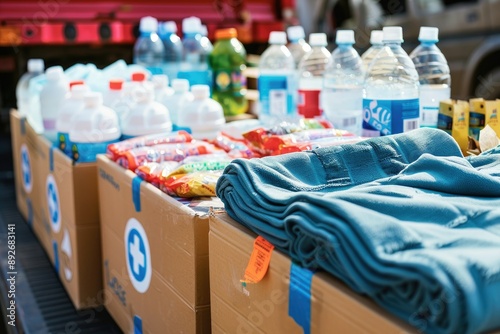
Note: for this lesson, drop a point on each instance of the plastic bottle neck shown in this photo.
(147, 33)
(344, 46)
(392, 43)
(297, 41)
(192, 35)
(428, 43)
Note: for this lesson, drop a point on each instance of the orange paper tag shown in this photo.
(259, 261)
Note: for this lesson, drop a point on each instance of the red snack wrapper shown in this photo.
(117, 150)
(154, 172)
(234, 147)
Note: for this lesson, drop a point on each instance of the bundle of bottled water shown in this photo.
(384, 91)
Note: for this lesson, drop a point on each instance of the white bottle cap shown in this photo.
(393, 34)
(148, 24)
(54, 73)
(200, 91)
(376, 37)
(277, 37)
(318, 39)
(204, 30)
(78, 91)
(180, 85)
(191, 25)
(295, 33)
(92, 99)
(159, 80)
(345, 37)
(169, 27)
(429, 34)
(36, 65)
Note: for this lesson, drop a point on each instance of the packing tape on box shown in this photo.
(136, 193)
(299, 305)
(137, 325)
(56, 256)
(23, 126)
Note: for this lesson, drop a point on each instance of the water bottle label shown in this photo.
(275, 95)
(86, 152)
(154, 69)
(63, 143)
(229, 81)
(196, 77)
(429, 116)
(385, 117)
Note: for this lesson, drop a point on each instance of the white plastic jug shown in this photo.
(181, 96)
(51, 99)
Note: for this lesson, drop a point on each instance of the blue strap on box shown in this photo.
(137, 325)
(299, 305)
(136, 193)
(23, 126)
(56, 256)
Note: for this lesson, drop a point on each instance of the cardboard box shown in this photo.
(328, 307)
(25, 153)
(70, 212)
(155, 255)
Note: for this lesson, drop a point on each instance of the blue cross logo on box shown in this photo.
(137, 255)
(26, 169)
(53, 203)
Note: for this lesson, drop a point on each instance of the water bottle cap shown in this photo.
(428, 34)
(204, 30)
(168, 27)
(75, 83)
(345, 37)
(191, 25)
(138, 76)
(78, 91)
(295, 33)
(115, 84)
(36, 65)
(148, 24)
(159, 80)
(54, 73)
(226, 33)
(180, 85)
(376, 37)
(277, 37)
(393, 34)
(92, 99)
(200, 91)
(318, 39)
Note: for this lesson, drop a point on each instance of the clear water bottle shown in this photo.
(173, 48)
(342, 92)
(276, 82)
(205, 41)
(298, 46)
(311, 71)
(148, 49)
(390, 101)
(377, 45)
(52, 97)
(434, 76)
(194, 66)
(35, 68)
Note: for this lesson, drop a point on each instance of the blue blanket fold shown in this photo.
(404, 219)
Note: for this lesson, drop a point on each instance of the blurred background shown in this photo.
(66, 32)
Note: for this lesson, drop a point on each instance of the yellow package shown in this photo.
(491, 115)
(454, 118)
(476, 117)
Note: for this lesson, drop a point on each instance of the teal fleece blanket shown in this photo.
(404, 219)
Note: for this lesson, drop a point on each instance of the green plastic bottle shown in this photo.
(228, 60)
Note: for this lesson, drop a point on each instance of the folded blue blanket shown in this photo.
(404, 219)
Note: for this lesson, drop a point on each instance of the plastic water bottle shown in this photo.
(72, 105)
(298, 46)
(276, 82)
(228, 60)
(203, 116)
(311, 70)
(93, 129)
(342, 92)
(175, 102)
(194, 66)
(390, 101)
(173, 48)
(434, 76)
(377, 45)
(161, 88)
(146, 116)
(148, 49)
(114, 93)
(35, 68)
(51, 100)
(204, 41)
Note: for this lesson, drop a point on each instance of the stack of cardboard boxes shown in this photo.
(120, 242)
